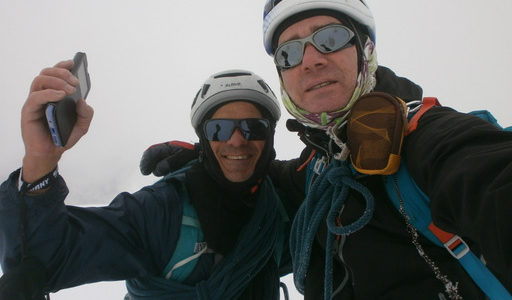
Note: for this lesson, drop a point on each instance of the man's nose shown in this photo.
(312, 58)
(237, 139)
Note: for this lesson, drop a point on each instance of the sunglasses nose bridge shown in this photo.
(311, 54)
(237, 131)
(311, 44)
(237, 137)
(305, 44)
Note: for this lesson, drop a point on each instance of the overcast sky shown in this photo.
(147, 60)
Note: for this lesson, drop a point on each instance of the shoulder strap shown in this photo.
(476, 269)
(427, 103)
(486, 115)
(190, 245)
(401, 186)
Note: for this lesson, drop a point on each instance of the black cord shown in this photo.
(285, 290)
(23, 221)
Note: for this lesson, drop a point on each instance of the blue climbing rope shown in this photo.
(324, 202)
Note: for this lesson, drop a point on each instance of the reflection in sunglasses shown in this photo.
(327, 39)
(222, 129)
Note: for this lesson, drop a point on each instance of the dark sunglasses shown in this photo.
(221, 130)
(327, 39)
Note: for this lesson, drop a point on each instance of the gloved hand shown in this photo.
(164, 158)
(24, 282)
(315, 137)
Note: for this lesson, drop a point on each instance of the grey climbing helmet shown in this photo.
(232, 85)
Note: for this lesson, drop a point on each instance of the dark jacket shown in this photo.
(133, 237)
(464, 165)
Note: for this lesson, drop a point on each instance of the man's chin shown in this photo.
(237, 176)
(237, 179)
(324, 103)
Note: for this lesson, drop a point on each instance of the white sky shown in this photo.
(147, 59)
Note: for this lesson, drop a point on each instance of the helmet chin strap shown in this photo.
(365, 83)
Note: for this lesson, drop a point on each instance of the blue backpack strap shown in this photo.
(190, 246)
(401, 186)
(191, 243)
(159, 288)
(486, 115)
(480, 274)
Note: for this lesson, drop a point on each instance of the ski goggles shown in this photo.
(328, 39)
(221, 130)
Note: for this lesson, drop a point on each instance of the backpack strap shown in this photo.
(476, 269)
(486, 115)
(189, 247)
(428, 103)
(401, 186)
(191, 244)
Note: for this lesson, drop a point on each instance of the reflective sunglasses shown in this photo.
(221, 130)
(327, 39)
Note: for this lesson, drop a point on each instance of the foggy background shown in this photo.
(147, 59)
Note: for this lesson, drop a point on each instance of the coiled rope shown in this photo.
(324, 201)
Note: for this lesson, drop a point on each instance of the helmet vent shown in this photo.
(234, 74)
(263, 85)
(195, 98)
(204, 90)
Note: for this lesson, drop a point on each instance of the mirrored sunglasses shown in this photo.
(222, 129)
(327, 39)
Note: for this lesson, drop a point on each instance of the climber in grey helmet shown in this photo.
(229, 86)
(215, 229)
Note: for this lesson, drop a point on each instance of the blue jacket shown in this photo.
(133, 237)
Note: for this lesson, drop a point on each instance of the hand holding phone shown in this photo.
(61, 115)
(50, 88)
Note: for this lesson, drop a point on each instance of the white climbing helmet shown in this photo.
(277, 11)
(231, 85)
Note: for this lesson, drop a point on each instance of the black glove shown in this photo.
(314, 137)
(162, 159)
(24, 282)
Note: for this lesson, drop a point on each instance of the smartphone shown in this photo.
(61, 115)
